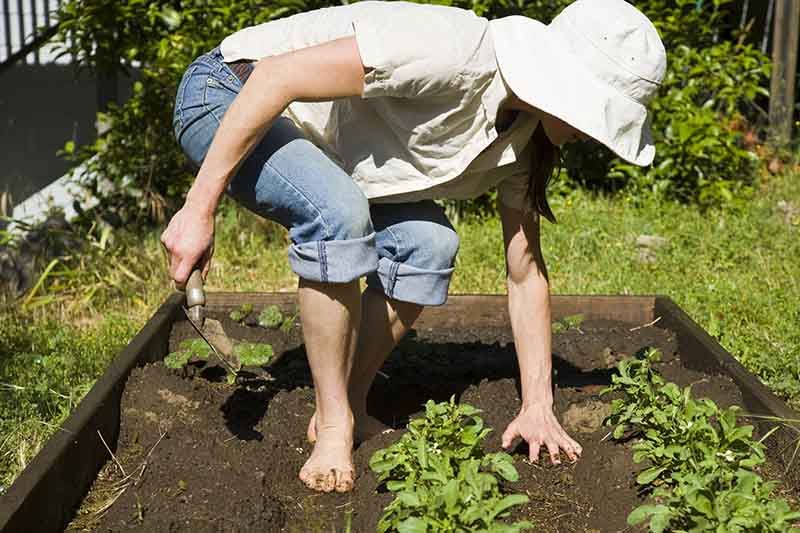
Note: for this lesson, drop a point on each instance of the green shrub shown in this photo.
(700, 127)
(138, 152)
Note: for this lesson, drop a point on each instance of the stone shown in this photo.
(652, 242)
(790, 212)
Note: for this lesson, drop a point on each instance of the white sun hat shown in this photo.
(595, 66)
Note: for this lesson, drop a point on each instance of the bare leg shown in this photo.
(383, 323)
(330, 315)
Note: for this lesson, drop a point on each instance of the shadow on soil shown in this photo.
(417, 371)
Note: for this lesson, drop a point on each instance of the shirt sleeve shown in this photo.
(413, 49)
(513, 192)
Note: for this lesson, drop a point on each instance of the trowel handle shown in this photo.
(195, 294)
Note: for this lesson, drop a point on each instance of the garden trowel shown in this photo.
(209, 329)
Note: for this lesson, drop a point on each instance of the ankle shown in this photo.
(344, 420)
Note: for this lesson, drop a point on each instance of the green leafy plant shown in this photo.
(190, 349)
(271, 317)
(197, 350)
(567, 323)
(702, 463)
(240, 314)
(442, 478)
(253, 354)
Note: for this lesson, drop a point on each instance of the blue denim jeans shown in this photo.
(407, 250)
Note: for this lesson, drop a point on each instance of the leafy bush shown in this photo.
(442, 478)
(138, 153)
(701, 462)
(700, 129)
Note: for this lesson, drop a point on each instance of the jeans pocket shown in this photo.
(218, 96)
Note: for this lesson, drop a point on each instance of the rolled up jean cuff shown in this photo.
(337, 261)
(411, 284)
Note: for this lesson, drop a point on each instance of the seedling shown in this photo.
(702, 463)
(271, 317)
(190, 350)
(442, 478)
(567, 323)
(195, 350)
(288, 322)
(240, 314)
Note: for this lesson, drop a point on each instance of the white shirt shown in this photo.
(424, 127)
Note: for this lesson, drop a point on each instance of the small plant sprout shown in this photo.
(253, 354)
(196, 350)
(441, 477)
(190, 350)
(567, 323)
(288, 323)
(240, 314)
(701, 463)
(271, 317)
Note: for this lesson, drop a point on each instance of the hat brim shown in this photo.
(542, 72)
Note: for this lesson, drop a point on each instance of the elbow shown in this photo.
(271, 76)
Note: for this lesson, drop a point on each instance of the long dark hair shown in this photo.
(545, 163)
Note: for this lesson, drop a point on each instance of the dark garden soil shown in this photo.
(200, 455)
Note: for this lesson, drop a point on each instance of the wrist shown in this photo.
(543, 403)
(201, 202)
(542, 396)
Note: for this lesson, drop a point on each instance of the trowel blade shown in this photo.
(215, 336)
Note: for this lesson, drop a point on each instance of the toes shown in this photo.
(344, 480)
(316, 480)
(333, 479)
(328, 482)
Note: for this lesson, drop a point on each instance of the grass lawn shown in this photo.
(735, 271)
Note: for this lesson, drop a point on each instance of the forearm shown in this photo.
(318, 73)
(253, 110)
(529, 309)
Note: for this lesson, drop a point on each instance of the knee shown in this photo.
(437, 248)
(352, 220)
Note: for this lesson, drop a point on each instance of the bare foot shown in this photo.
(330, 466)
(366, 427)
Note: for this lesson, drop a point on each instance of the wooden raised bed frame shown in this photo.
(45, 495)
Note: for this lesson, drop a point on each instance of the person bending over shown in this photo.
(344, 125)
